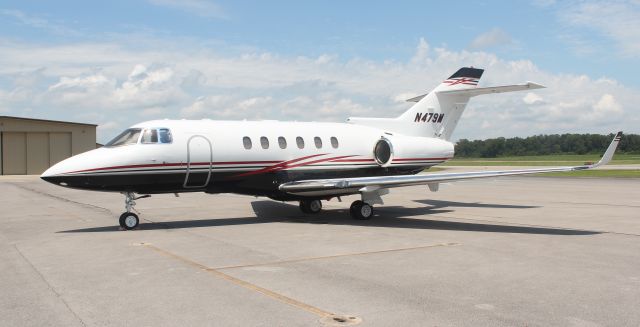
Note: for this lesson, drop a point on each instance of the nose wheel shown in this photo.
(130, 220)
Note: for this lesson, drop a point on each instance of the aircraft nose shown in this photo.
(53, 174)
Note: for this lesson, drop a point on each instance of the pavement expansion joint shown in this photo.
(326, 318)
(245, 284)
(338, 256)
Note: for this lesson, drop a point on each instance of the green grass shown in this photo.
(614, 173)
(550, 160)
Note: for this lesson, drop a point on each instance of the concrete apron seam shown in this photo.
(338, 256)
(51, 288)
(282, 298)
(88, 205)
(277, 296)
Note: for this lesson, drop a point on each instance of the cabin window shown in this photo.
(129, 136)
(334, 142)
(165, 135)
(282, 142)
(264, 142)
(300, 142)
(149, 136)
(246, 141)
(318, 142)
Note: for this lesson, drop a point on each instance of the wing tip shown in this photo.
(534, 85)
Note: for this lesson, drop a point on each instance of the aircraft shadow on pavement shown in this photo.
(436, 204)
(389, 216)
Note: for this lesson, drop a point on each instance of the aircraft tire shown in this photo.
(361, 210)
(129, 220)
(311, 206)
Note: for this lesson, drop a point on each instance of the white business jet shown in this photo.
(289, 161)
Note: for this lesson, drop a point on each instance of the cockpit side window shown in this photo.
(156, 135)
(165, 135)
(129, 136)
(150, 136)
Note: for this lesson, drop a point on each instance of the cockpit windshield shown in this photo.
(129, 136)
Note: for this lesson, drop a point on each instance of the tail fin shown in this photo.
(437, 113)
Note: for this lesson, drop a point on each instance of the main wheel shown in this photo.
(129, 220)
(311, 206)
(361, 210)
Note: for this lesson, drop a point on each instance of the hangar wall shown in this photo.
(30, 146)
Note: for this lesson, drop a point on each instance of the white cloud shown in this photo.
(532, 98)
(617, 20)
(201, 8)
(115, 84)
(491, 38)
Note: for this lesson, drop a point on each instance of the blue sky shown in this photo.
(118, 62)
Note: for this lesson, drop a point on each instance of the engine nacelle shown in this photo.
(400, 149)
(383, 152)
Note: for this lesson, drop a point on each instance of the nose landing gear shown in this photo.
(130, 220)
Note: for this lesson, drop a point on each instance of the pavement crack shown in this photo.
(49, 286)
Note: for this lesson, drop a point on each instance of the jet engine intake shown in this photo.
(383, 152)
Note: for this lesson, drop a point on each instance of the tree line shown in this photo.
(545, 145)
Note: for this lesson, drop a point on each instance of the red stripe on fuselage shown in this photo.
(352, 160)
(419, 159)
(280, 166)
(175, 164)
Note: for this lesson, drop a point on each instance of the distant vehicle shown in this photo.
(290, 161)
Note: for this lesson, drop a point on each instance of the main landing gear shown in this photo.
(311, 206)
(130, 220)
(359, 209)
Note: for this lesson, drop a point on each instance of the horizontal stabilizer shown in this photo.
(493, 89)
(484, 90)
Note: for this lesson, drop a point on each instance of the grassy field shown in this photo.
(616, 173)
(551, 160)
(609, 173)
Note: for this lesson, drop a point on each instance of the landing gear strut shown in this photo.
(311, 206)
(130, 220)
(361, 210)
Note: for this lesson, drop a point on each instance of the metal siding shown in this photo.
(14, 153)
(59, 147)
(37, 153)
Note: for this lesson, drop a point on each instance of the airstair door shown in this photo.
(199, 162)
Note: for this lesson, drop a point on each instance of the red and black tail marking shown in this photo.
(466, 76)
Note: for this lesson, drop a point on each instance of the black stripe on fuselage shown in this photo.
(243, 168)
(219, 182)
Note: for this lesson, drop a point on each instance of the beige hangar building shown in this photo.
(30, 146)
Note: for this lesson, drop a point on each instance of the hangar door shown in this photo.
(32, 153)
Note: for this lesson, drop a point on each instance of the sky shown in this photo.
(117, 63)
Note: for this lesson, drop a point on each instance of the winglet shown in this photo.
(608, 155)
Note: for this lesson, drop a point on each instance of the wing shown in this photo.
(334, 186)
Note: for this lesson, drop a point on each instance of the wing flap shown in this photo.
(353, 185)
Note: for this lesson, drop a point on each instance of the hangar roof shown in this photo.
(47, 121)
